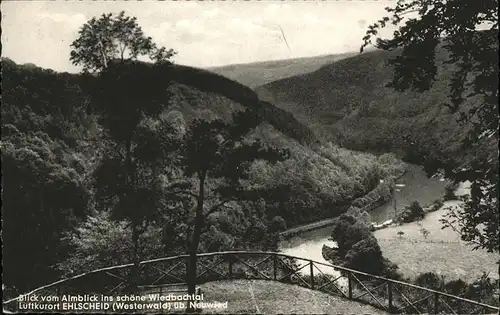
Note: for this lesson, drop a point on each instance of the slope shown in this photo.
(259, 73)
(348, 102)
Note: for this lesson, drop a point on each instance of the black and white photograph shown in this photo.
(250, 157)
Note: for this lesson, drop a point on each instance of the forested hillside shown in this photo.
(348, 102)
(52, 141)
(259, 73)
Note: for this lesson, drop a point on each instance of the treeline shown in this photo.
(54, 142)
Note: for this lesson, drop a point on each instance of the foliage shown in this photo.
(424, 232)
(436, 205)
(449, 192)
(365, 256)
(44, 193)
(411, 213)
(347, 231)
(467, 31)
(108, 38)
(136, 178)
(358, 248)
(217, 157)
(430, 280)
(484, 289)
(101, 241)
(277, 225)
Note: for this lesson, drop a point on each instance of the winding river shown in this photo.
(417, 187)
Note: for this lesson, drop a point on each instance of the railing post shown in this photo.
(230, 267)
(275, 266)
(311, 268)
(389, 294)
(349, 285)
(436, 303)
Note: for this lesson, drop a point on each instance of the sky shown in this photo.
(205, 34)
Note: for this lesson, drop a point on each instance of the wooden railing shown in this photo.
(387, 294)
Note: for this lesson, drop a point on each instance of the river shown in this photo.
(417, 186)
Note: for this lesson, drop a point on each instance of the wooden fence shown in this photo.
(389, 295)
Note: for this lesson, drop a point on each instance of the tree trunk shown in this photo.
(129, 182)
(195, 240)
(135, 268)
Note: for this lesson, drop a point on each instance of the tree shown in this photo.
(277, 225)
(218, 159)
(365, 256)
(468, 30)
(43, 192)
(424, 232)
(112, 37)
(347, 231)
(100, 242)
(130, 178)
(136, 177)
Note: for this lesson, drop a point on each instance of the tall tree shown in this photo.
(113, 37)
(136, 173)
(129, 96)
(217, 156)
(468, 31)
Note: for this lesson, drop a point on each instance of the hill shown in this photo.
(51, 143)
(260, 73)
(347, 102)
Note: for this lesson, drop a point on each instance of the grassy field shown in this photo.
(268, 297)
(442, 251)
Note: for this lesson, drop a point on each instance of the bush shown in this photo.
(436, 205)
(449, 192)
(411, 213)
(456, 287)
(365, 256)
(277, 225)
(430, 280)
(347, 231)
(102, 242)
(358, 249)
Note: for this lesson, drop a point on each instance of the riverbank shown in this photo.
(306, 228)
(380, 201)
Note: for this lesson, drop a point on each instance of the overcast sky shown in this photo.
(204, 34)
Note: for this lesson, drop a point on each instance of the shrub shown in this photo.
(430, 280)
(358, 249)
(365, 256)
(436, 205)
(102, 242)
(456, 287)
(411, 213)
(277, 225)
(347, 231)
(449, 192)
(425, 232)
